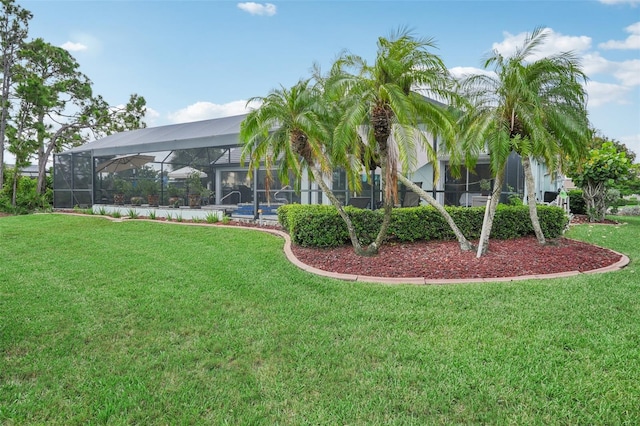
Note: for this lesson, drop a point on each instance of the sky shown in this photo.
(195, 60)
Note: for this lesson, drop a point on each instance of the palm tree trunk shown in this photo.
(355, 242)
(531, 199)
(373, 248)
(465, 245)
(487, 224)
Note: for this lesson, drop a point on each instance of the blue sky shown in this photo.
(194, 60)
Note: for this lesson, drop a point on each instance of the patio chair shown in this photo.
(411, 199)
(550, 197)
(359, 202)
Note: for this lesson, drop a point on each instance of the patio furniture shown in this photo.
(359, 202)
(411, 199)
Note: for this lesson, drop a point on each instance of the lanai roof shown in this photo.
(217, 132)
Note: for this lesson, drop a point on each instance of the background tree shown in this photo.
(628, 186)
(49, 80)
(14, 26)
(603, 167)
(22, 137)
(62, 104)
(535, 107)
(599, 139)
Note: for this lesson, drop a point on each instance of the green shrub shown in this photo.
(322, 226)
(316, 226)
(212, 218)
(286, 211)
(628, 202)
(366, 222)
(511, 222)
(28, 200)
(611, 199)
(576, 202)
(553, 221)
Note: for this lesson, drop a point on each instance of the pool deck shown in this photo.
(184, 212)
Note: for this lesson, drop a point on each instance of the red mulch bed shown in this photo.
(445, 260)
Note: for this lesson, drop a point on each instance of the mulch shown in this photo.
(445, 260)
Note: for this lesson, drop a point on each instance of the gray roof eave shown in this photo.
(218, 132)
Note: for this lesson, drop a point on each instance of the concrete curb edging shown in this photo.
(620, 264)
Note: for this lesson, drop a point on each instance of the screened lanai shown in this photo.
(197, 164)
(162, 166)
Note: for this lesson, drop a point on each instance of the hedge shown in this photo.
(322, 226)
(576, 202)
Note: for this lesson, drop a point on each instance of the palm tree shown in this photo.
(290, 131)
(384, 113)
(535, 107)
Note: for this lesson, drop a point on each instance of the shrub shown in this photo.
(322, 226)
(316, 226)
(576, 202)
(611, 199)
(212, 218)
(28, 199)
(366, 222)
(629, 210)
(287, 211)
(553, 221)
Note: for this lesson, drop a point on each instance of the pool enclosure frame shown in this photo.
(103, 171)
(126, 168)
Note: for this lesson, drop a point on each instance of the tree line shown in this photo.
(47, 104)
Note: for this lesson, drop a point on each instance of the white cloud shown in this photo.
(74, 47)
(207, 110)
(606, 93)
(622, 75)
(629, 2)
(631, 42)
(151, 114)
(593, 63)
(554, 43)
(266, 9)
(628, 72)
(462, 72)
(152, 117)
(633, 143)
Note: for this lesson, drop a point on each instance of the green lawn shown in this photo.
(147, 323)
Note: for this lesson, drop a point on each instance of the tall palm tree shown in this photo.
(535, 107)
(290, 131)
(384, 114)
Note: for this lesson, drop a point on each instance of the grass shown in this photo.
(151, 323)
